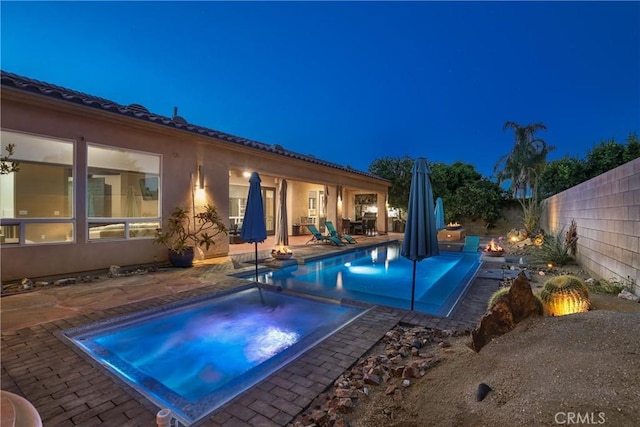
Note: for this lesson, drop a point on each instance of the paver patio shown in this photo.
(69, 390)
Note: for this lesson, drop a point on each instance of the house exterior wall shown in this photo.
(607, 214)
(181, 153)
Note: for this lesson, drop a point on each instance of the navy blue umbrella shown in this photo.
(254, 229)
(420, 235)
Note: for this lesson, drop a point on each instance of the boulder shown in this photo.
(625, 294)
(510, 309)
(521, 299)
(495, 322)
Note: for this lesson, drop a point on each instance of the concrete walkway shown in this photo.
(69, 390)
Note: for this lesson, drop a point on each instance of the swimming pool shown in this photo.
(381, 276)
(196, 355)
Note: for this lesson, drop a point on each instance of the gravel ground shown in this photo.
(579, 369)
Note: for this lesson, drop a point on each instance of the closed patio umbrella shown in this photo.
(282, 226)
(420, 236)
(254, 229)
(440, 225)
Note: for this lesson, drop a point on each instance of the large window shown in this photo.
(123, 193)
(36, 202)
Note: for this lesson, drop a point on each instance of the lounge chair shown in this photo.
(319, 237)
(333, 232)
(471, 244)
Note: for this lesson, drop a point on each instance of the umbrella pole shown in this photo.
(256, 243)
(413, 285)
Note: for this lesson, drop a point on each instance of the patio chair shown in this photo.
(471, 244)
(319, 237)
(333, 232)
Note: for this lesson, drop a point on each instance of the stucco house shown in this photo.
(98, 178)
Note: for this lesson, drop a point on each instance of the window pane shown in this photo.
(122, 184)
(43, 186)
(106, 231)
(137, 230)
(10, 234)
(143, 229)
(48, 232)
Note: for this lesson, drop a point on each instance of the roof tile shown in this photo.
(140, 112)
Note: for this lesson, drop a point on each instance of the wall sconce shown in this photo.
(200, 178)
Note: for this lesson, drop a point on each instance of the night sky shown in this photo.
(350, 82)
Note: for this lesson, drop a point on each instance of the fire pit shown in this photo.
(453, 226)
(493, 249)
(281, 253)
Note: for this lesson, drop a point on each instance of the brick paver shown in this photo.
(69, 390)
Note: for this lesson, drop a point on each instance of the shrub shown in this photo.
(554, 249)
(565, 294)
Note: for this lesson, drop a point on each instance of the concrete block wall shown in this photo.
(607, 213)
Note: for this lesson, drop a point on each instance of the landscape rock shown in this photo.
(515, 306)
(625, 294)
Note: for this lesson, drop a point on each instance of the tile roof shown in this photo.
(141, 113)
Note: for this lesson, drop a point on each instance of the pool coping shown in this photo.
(68, 391)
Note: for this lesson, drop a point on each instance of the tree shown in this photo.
(609, 155)
(523, 166)
(561, 174)
(7, 165)
(447, 179)
(398, 171)
(477, 199)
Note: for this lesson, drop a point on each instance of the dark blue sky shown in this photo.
(350, 82)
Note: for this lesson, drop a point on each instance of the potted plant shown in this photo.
(185, 231)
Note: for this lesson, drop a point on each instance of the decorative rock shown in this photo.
(521, 300)
(406, 383)
(391, 389)
(27, 283)
(343, 393)
(481, 393)
(416, 343)
(518, 304)
(319, 416)
(495, 322)
(625, 294)
(65, 282)
(372, 379)
(345, 405)
(114, 271)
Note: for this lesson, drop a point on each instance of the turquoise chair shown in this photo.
(333, 232)
(471, 244)
(319, 237)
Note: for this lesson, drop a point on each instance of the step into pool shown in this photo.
(193, 356)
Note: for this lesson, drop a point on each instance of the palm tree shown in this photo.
(523, 166)
(525, 161)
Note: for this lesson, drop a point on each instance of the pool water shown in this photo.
(194, 356)
(382, 276)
